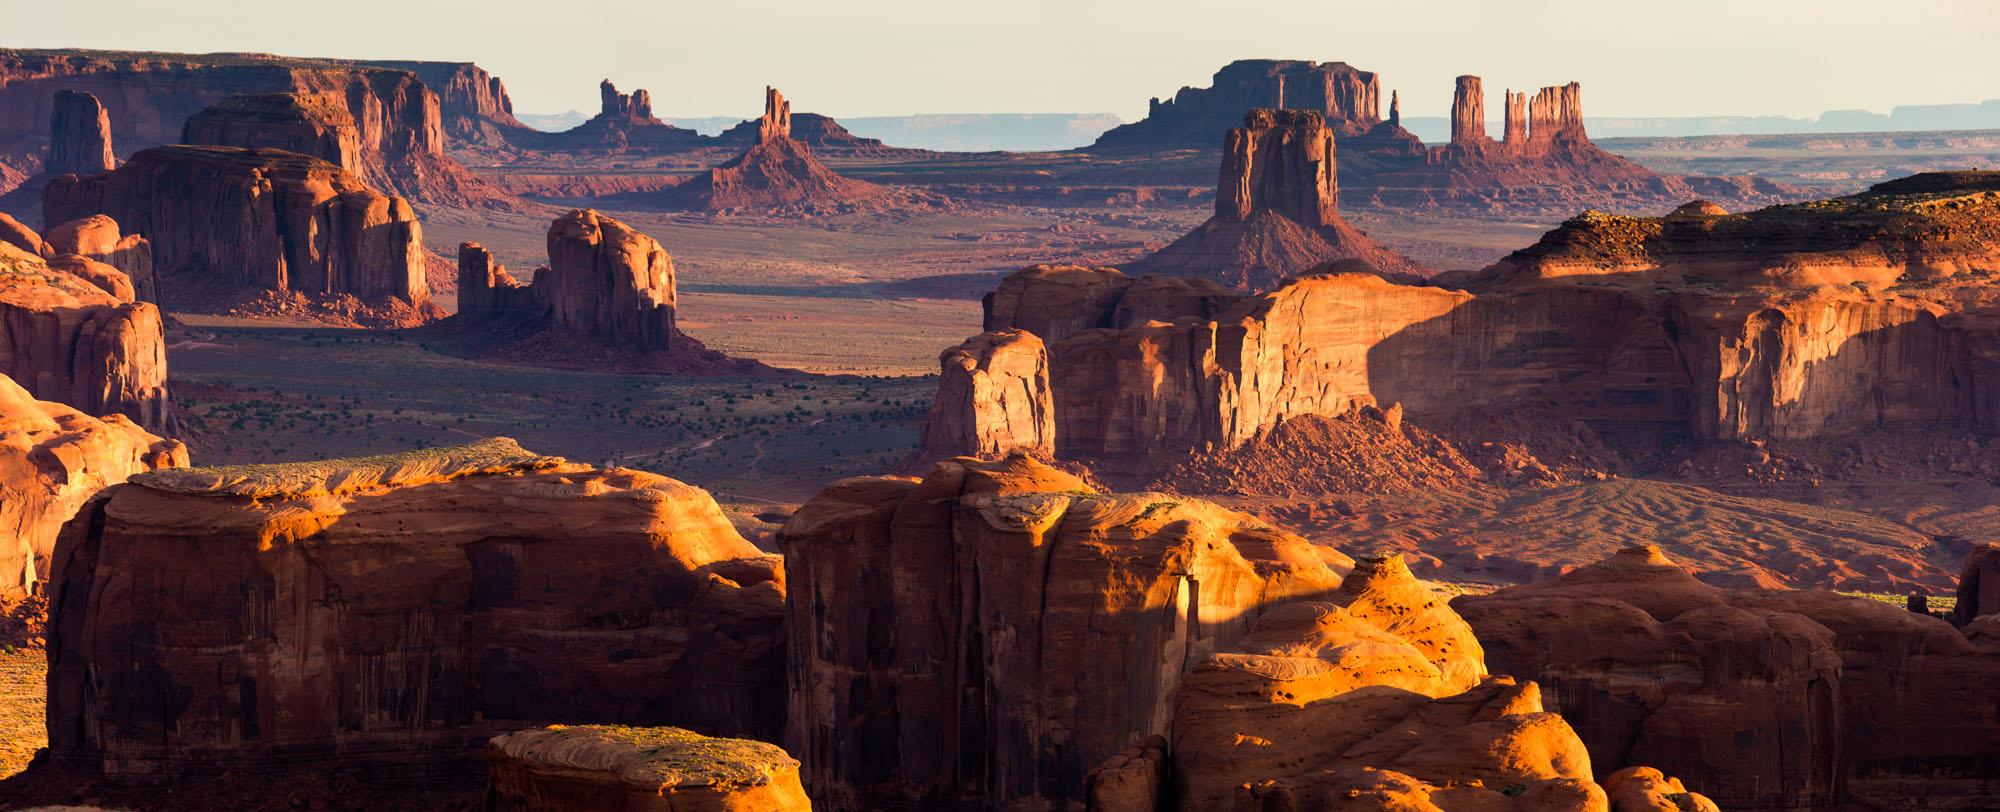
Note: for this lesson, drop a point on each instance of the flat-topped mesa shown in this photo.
(1762, 698)
(67, 337)
(980, 639)
(527, 590)
(1349, 99)
(263, 225)
(1468, 114)
(566, 768)
(773, 172)
(79, 136)
(52, 459)
(316, 124)
(1276, 209)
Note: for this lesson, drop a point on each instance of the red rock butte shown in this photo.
(774, 171)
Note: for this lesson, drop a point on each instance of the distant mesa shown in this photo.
(623, 121)
(1276, 210)
(315, 124)
(261, 231)
(606, 300)
(774, 171)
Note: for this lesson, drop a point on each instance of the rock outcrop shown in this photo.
(150, 96)
(993, 390)
(312, 124)
(775, 171)
(1793, 321)
(607, 295)
(1347, 98)
(1761, 699)
(98, 238)
(386, 616)
(52, 459)
(227, 224)
(623, 122)
(1276, 209)
(1978, 585)
(984, 637)
(609, 768)
(79, 136)
(473, 104)
(66, 338)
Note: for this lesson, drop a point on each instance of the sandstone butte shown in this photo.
(79, 135)
(607, 298)
(1794, 321)
(1276, 210)
(1759, 699)
(774, 171)
(525, 590)
(1544, 161)
(608, 768)
(401, 128)
(997, 635)
(71, 333)
(52, 459)
(261, 229)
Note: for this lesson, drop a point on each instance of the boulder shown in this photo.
(52, 459)
(72, 339)
(608, 768)
(386, 616)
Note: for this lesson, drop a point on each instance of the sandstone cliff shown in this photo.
(606, 299)
(607, 768)
(98, 238)
(52, 459)
(775, 171)
(985, 636)
(318, 125)
(1276, 210)
(79, 136)
(994, 391)
(1762, 699)
(524, 590)
(67, 339)
(473, 104)
(228, 223)
(1348, 99)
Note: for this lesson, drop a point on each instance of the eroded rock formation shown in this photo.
(52, 459)
(525, 590)
(1276, 209)
(994, 391)
(608, 768)
(1348, 99)
(98, 238)
(984, 637)
(775, 171)
(1978, 585)
(79, 136)
(313, 124)
(66, 338)
(1762, 699)
(623, 121)
(1793, 321)
(227, 223)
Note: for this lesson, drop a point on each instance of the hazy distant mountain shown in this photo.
(969, 132)
(552, 122)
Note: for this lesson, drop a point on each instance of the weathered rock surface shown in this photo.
(1978, 585)
(225, 222)
(1760, 699)
(993, 390)
(65, 338)
(608, 295)
(1695, 324)
(775, 171)
(1276, 210)
(1347, 98)
(98, 237)
(312, 124)
(984, 637)
(15, 233)
(473, 104)
(565, 768)
(79, 135)
(52, 459)
(389, 615)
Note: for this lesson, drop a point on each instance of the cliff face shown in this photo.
(312, 124)
(66, 339)
(52, 459)
(1793, 321)
(235, 221)
(1763, 699)
(775, 171)
(150, 96)
(527, 590)
(1348, 99)
(79, 136)
(994, 391)
(1276, 209)
(473, 104)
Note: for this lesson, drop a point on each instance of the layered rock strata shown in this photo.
(1762, 699)
(312, 124)
(224, 221)
(65, 337)
(994, 391)
(525, 590)
(562, 768)
(52, 459)
(1276, 209)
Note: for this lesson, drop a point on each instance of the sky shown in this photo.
(896, 57)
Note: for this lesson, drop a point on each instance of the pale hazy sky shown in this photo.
(888, 57)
